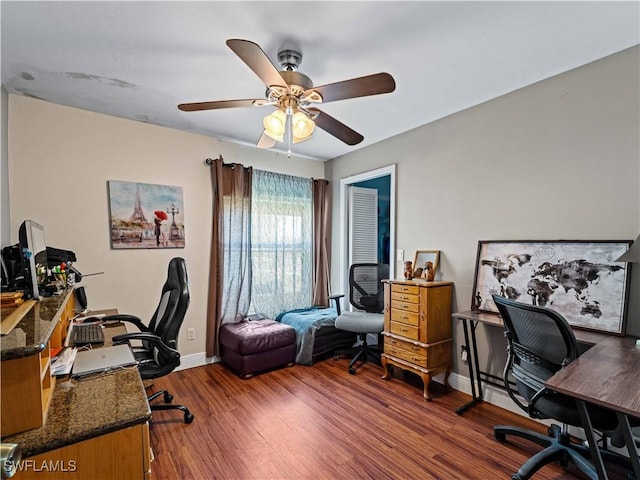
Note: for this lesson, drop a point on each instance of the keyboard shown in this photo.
(87, 335)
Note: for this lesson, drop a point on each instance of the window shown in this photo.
(281, 242)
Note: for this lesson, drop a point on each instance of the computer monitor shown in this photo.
(33, 250)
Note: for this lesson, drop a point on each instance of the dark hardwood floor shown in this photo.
(320, 422)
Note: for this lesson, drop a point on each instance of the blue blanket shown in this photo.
(306, 321)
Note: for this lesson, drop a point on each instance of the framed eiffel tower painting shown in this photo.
(143, 215)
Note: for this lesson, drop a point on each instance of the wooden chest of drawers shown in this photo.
(417, 328)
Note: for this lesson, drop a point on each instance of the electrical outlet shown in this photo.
(463, 354)
(400, 255)
(191, 334)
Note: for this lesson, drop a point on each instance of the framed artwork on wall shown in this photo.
(579, 279)
(143, 215)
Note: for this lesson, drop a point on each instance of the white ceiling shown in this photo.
(138, 60)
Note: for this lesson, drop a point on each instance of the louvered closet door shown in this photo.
(363, 232)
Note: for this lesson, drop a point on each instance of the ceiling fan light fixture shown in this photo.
(274, 124)
(302, 127)
(275, 137)
(300, 140)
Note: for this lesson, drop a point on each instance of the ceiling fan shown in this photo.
(293, 95)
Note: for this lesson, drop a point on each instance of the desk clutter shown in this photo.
(82, 332)
(10, 299)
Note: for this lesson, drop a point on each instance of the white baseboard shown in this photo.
(196, 360)
(490, 393)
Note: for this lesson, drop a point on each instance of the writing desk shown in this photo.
(608, 374)
(96, 427)
(470, 321)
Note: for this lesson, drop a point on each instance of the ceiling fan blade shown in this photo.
(356, 87)
(266, 141)
(336, 128)
(194, 107)
(257, 60)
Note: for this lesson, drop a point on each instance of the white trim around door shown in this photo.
(390, 171)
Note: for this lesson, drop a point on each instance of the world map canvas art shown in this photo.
(579, 279)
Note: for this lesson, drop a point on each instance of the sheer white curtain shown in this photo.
(281, 242)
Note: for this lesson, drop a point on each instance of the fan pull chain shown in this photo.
(289, 131)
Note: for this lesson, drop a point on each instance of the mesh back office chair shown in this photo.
(539, 343)
(366, 293)
(158, 354)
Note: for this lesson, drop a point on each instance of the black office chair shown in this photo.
(366, 293)
(539, 343)
(158, 354)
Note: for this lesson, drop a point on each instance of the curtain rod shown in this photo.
(209, 161)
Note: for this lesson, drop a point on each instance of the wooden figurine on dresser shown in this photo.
(428, 273)
(408, 270)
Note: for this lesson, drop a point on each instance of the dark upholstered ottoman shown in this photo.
(249, 347)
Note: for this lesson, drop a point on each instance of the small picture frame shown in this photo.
(424, 261)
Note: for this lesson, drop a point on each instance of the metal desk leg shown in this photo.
(474, 368)
(596, 458)
(623, 420)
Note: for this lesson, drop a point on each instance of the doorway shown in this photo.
(383, 181)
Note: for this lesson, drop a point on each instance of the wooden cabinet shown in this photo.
(121, 454)
(417, 328)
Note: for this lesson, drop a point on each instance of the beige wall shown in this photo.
(60, 160)
(556, 160)
(5, 225)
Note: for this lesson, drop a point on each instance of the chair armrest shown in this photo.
(336, 299)
(123, 317)
(147, 337)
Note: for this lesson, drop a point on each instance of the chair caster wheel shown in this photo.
(188, 417)
(352, 370)
(336, 357)
(168, 398)
(500, 437)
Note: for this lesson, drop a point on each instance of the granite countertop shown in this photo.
(33, 332)
(86, 408)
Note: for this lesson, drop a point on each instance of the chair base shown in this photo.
(188, 416)
(362, 352)
(557, 448)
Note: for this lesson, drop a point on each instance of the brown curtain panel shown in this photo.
(321, 242)
(230, 262)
